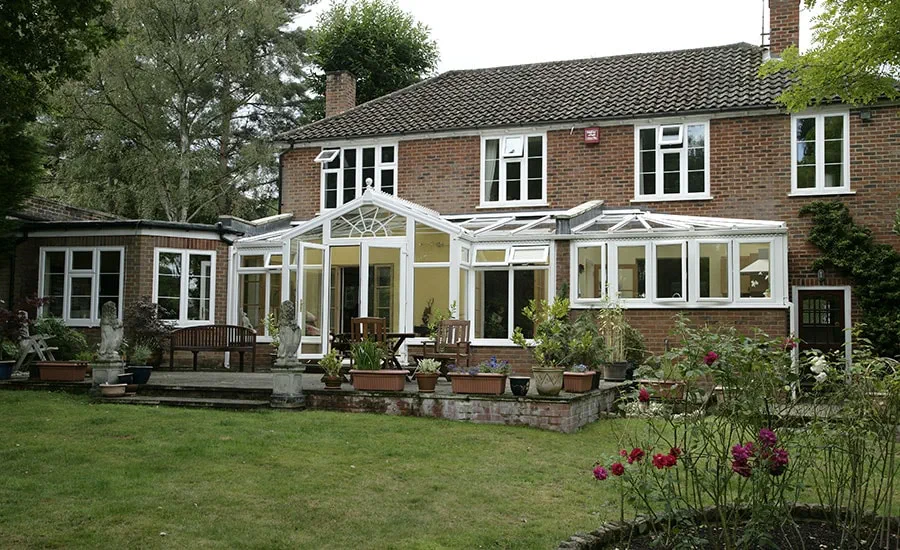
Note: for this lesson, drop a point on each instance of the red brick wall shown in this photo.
(301, 183)
(340, 92)
(784, 24)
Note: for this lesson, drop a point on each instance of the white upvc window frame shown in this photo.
(775, 282)
(502, 202)
(819, 188)
(93, 274)
(268, 269)
(604, 272)
(683, 194)
(653, 274)
(612, 263)
(186, 253)
(511, 314)
(694, 276)
(359, 183)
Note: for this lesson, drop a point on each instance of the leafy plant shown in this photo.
(85, 355)
(614, 329)
(140, 354)
(69, 342)
(271, 321)
(143, 324)
(331, 363)
(586, 347)
(367, 355)
(435, 316)
(429, 366)
(9, 350)
(551, 332)
(493, 366)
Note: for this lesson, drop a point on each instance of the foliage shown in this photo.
(143, 324)
(272, 330)
(873, 267)
(367, 355)
(586, 347)
(69, 341)
(435, 316)
(623, 342)
(429, 366)
(383, 46)
(551, 331)
(9, 351)
(171, 122)
(13, 323)
(85, 356)
(42, 44)
(331, 364)
(855, 55)
(140, 353)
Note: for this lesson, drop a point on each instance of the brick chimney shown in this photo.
(340, 92)
(784, 25)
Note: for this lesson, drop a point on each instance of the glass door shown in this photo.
(385, 283)
(311, 311)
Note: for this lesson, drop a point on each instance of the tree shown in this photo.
(856, 55)
(170, 122)
(42, 43)
(383, 46)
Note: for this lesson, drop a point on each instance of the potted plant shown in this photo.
(614, 329)
(9, 354)
(550, 345)
(488, 377)
(143, 324)
(578, 379)
(331, 364)
(427, 375)
(71, 364)
(368, 374)
(586, 353)
(139, 362)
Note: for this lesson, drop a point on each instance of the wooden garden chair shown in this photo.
(451, 344)
(368, 328)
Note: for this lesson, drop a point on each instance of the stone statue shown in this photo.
(289, 334)
(111, 333)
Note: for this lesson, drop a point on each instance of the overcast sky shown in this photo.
(489, 33)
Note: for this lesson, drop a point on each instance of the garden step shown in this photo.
(197, 402)
(203, 392)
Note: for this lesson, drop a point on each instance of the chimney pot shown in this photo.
(784, 25)
(340, 92)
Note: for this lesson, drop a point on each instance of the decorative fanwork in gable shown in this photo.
(368, 221)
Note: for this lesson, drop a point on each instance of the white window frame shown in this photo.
(182, 320)
(774, 274)
(683, 194)
(820, 188)
(694, 256)
(93, 274)
(268, 270)
(359, 183)
(612, 263)
(684, 271)
(604, 265)
(511, 326)
(504, 160)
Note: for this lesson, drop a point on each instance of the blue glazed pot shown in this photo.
(6, 369)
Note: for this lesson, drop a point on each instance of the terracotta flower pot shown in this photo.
(378, 380)
(578, 382)
(548, 381)
(482, 383)
(427, 381)
(62, 371)
(332, 382)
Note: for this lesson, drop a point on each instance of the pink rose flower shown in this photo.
(600, 472)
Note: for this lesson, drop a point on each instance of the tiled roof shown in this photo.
(713, 79)
(43, 209)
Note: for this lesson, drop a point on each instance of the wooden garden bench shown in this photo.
(231, 338)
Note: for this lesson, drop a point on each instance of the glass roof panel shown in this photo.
(368, 221)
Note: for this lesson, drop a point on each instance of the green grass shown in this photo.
(84, 475)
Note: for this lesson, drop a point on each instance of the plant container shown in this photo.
(112, 390)
(6, 369)
(332, 382)
(595, 383)
(378, 380)
(141, 373)
(62, 371)
(427, 381)
(616, 372)
(548, 381)
(578, 382)
(519, 385)
(482, 383)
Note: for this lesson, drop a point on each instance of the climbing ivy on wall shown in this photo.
(874, 269)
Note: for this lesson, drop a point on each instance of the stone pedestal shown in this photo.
(103, 372)
(287, 388)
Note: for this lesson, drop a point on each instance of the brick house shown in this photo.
(666, 182)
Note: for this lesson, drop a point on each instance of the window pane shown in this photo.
(387, 154)
(513, 180)
(169, 308)
(535, 189)
(82, 259)
(256, 260)
(492, 304)
(80, 307)
(54, 282)
(696, 135)
(713, 270)
(806, 129)
(834, 175)
(527, 285)
(833, 151)
(81, 286)
(170, 264)
(671, 162)
(648, 161)
(55, 262)
(834, 127)
(387, 181)
(648, 139)
(368, 156)
(590, 265)
(109, 284)
(669, 273)
(754, 266)
(536, 147)
(168, 286)
(431, 288)
(671, 182)
(806, 152)
(330, 190)
(648, 184)
(431, 245)
(461, 304)
(109, 261)
(312, 299)
(696, 182)
(806, 177)
(199, 282)
(490, 255)
(631, 271)
(253, 299)
(696, 159)
(535, 168)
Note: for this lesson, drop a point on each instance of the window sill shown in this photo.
(821, 193)
(486, 206)
(674, 198)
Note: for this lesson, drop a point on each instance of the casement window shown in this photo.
(78, 281)
(590, 274)
(259, 278)
(507, 278)
(184, 285)
(820, 152)
(672, 161)
(347, 171)
(714, 271)
(754, 269)
(514, 170)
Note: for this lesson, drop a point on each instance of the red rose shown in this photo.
(617, 469)
(711, 358)
(636, 455)
(675, 451)
(644, 396)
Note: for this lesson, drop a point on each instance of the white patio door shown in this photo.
(383, 281)
(312, 310)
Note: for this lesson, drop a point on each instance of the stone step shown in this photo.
(195, 402)
(203, 392)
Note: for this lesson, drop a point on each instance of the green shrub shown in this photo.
(367, 355)
(69, 341)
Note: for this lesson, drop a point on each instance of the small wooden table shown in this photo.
(396, 339)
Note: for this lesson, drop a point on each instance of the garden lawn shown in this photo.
(84, 475)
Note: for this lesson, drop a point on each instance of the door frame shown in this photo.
(795, 316)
